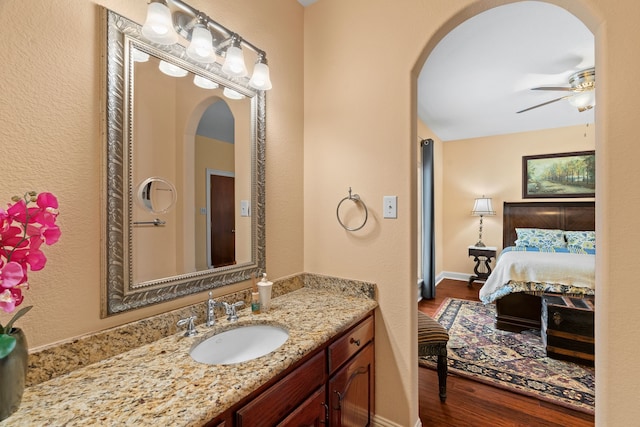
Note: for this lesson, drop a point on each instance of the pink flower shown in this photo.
(11, 274)
(23, 230)
(10, 299)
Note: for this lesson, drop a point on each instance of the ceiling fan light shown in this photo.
(201, 47)
(158, 27)
(583, 100)
(172, 70)
(260, 78)
(234, 65)
(204, 83)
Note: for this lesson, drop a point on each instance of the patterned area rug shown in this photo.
(517, 362)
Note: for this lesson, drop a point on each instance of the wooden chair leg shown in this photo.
(442, 376)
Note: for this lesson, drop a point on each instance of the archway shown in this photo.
(432, 45)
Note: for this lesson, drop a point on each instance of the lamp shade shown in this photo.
(583, 100)
(204, 83)
(232, 94)
(482, 207)
(201, 47)
(234, 64)
(158, 27)
(172, 70)
(260, 78)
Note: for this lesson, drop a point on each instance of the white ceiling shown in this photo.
(479, 75)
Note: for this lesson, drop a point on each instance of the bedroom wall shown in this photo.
(492, 166)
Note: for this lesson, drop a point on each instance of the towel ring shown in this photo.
(357, 200)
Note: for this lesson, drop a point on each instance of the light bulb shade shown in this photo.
(201, 47)
(583, 100)
(172, 70)
(234, 65)
(139, 56)
(260, 78)
(158, 26)
(232, 94)
(482, 207)
(204, 83)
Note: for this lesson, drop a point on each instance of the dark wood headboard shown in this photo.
(570, 216)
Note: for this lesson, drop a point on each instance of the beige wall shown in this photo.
(360, 131)
(358, 125)
(492, 166)
(52, 106)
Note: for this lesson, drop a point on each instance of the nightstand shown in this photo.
(481, 255)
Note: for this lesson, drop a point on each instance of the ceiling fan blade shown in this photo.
(562, 88)
(544, 103)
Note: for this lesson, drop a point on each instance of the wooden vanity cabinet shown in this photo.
(332, 387)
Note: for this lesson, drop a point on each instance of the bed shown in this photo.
(518, 301)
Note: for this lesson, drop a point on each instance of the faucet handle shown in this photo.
(230, 309)
(191, 327)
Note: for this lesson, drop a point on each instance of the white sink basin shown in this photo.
(239, 345)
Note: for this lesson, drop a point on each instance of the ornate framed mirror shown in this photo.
(184, 173)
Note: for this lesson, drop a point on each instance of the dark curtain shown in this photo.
(428, 282)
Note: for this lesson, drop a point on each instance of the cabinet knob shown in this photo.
(354, 341)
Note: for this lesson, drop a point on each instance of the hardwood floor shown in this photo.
(473, 404)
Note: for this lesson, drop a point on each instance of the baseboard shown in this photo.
(379, 421)
(446, 275)
(455, 276)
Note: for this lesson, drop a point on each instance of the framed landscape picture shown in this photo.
(559, 175)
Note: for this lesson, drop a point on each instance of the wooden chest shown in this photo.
(567, 328)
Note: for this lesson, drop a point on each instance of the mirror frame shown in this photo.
(119, 293)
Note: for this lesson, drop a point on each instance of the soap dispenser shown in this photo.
(264, 289)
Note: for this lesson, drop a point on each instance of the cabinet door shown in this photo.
(351, 391)
(277, 402)
(312, 413)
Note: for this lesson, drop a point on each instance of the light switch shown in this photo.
(245, 208)
(389, 208)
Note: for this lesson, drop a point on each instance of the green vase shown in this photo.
(13, 374)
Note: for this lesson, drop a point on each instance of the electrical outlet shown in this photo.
(390, 206)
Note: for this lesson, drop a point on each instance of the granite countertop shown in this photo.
(159, 382)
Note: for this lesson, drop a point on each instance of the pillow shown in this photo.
(581, 240)
(540, 238)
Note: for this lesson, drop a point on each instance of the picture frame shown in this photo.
(560, 175)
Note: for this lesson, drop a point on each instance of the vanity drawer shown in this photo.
(354, 340)
(286, 395)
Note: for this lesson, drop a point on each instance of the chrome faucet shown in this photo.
(191, 327)
(230, 309)
(211, 305)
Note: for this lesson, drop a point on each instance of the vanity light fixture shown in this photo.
(201, 48)
(172, 70)
(204, 83)
(166, 19)
(232, 94)
(234, 65)
(158, 26)
(140, 56)
(260, 78)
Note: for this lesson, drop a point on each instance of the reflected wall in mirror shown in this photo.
(192, 157)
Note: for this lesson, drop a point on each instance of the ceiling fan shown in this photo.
(582, 84)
